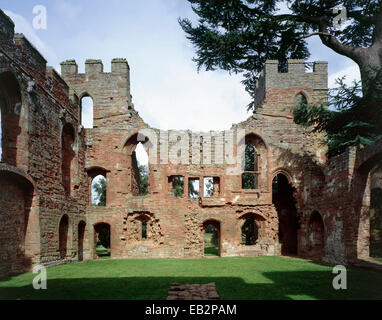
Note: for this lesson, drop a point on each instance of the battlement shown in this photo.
(92, 66)
(110, 91)
(293, 76)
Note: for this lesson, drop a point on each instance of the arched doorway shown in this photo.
(63, 232)
(211, 238)
(102, 247)
(316, 231)
(283, 199)
(81, 236)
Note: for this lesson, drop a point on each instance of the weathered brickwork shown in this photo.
(319, 207)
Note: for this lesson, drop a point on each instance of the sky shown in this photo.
(165, 83)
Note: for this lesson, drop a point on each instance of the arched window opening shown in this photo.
(63, 233)
(12, 137)
(81, 237)
(98, 191)
(283, 199)
(249, 177)
(376, 223)
(249, 230)
(87, 112)
(316, 233)
(211, 238)
(300, 98)
(68, 155)
(102, 240)
(142, 160)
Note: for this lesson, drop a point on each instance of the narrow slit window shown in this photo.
(144, 230)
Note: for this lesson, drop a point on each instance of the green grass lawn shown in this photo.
(235, 278)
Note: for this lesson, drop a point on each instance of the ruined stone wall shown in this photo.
(42, 112)
(50, 160)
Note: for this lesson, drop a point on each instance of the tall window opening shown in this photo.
(68, 155)
(251, 168)
(87, 112)
(98, 191)
(144, 230)
(81, 236)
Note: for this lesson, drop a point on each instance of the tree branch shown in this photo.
(333, 43)
(314, 34)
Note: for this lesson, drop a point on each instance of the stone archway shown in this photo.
(284, 201)
(102, 240)
(316, 232)
(214, 225)
(63, 235)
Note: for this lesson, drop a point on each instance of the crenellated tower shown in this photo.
(282, 85)
(110, 91)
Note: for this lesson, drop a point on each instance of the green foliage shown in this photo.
(144, 179)
(99, 189)
(349, 118)
(240, 35)
(178, 186)
(104, 237)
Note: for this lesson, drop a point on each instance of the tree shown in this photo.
(99, 187)
(144, 179)
(240, 35)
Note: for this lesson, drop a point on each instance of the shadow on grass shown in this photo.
(275, 285)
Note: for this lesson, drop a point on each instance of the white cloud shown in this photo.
(351, 72)
(23, 26)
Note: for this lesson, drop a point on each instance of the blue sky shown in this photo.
(165, 84)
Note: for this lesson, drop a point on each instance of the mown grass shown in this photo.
(235, 278)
